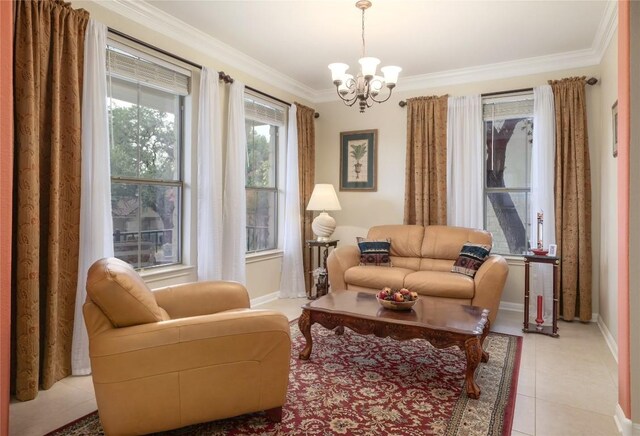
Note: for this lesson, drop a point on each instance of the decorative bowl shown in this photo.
(539, 251)
(396, 305)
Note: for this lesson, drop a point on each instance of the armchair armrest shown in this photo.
(201, 298)
(339, 261)
(181, 344)
(489, 283)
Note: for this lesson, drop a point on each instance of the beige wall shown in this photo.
(263, 275)
(363, 210)
(608, 263)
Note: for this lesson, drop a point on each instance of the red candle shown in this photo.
(539, 319)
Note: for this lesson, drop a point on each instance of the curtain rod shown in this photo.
(590, 81)
(221, 74)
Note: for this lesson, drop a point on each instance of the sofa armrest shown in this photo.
(489, 283)
(201, 298)
(340, 260)
(175, 345)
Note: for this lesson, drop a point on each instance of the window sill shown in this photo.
(264, 255)
(160, 274)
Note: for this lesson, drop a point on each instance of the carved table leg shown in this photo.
(304, 322)
(473, 350)
(485, 332)
(340, 330)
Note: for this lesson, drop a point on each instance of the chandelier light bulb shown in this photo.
(368, 66)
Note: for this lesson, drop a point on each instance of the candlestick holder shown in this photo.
(539, 318)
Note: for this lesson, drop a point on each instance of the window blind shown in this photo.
(507, 109)
(258, 110)
(135, 68)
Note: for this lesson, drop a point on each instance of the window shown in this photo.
(508, 134)
(265, 125)
(145, 100)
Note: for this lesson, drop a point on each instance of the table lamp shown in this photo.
(323, 198)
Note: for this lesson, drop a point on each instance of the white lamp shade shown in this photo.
(369, 66)
(338, 70)
(391, 74)
(323, 197)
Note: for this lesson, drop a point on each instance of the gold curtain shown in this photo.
(425, 197)
(573, 197)
(306, 177)
(49, 56)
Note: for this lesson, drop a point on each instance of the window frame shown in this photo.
(279, 173)
(507, 97)
(184, 137)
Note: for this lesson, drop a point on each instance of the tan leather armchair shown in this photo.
(180, 355)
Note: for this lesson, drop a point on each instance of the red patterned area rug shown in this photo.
(364, 385)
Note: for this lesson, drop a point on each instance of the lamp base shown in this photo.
(323, 226)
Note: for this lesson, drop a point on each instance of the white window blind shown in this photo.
(261, 111)
(507, 109)
(137, 69)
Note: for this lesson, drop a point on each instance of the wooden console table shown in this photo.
(322, 286)
(530, 327)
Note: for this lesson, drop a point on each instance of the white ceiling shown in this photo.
(300, 38)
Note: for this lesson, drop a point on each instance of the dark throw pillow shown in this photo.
(471, 258)
(374, 251)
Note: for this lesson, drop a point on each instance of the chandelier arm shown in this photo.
(348, 101)
(382, 101)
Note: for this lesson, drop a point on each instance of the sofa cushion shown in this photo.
(406, 240)
(374, 251)
(471, 258)
(376, 277)
(119, 291)
(445, 242)
(440, 284)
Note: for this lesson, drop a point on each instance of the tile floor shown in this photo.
(567, 386)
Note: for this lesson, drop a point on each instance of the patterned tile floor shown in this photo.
(567, 386)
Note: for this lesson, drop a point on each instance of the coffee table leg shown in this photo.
(304, 322)
(473, 350)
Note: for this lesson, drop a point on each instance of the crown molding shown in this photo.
(606, 29)
(155, 19)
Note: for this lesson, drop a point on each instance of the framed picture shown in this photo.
(614, 126)
(358, 160)
(553, 249)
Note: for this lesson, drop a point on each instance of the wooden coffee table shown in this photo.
(442, 324)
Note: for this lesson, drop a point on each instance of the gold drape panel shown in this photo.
(306, 176)
(425, 197)
(573, 197)
(49, 56)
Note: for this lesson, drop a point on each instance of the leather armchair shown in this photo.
(182, 354)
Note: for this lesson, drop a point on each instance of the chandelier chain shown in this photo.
(363, 43)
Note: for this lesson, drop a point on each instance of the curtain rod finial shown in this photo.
(592, 81)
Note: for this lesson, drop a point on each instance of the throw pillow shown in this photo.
(471, 258)
(374, 251)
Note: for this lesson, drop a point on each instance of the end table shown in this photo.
(322, 286)
(529, 327)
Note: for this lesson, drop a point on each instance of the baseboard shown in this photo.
(624, 424)
(264, 299)
(608, 337)
(513, 307)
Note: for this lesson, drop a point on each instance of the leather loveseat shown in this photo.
(180, 355)
(421, 259)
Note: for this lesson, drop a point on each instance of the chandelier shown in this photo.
(366, 86)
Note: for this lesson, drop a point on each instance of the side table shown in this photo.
(529, 327)
(322, 247)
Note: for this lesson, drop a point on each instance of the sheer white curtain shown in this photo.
(464, 161)
(235, 199)
(542, 196)
(96, 226)
(210, 254)
(292, 275)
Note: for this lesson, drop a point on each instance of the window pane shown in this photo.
(261, 220)
(144, 131)
(508, 152)
(262, 141)
(508, 221)
(146, 234)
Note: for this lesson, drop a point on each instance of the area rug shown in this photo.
(364, 385)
